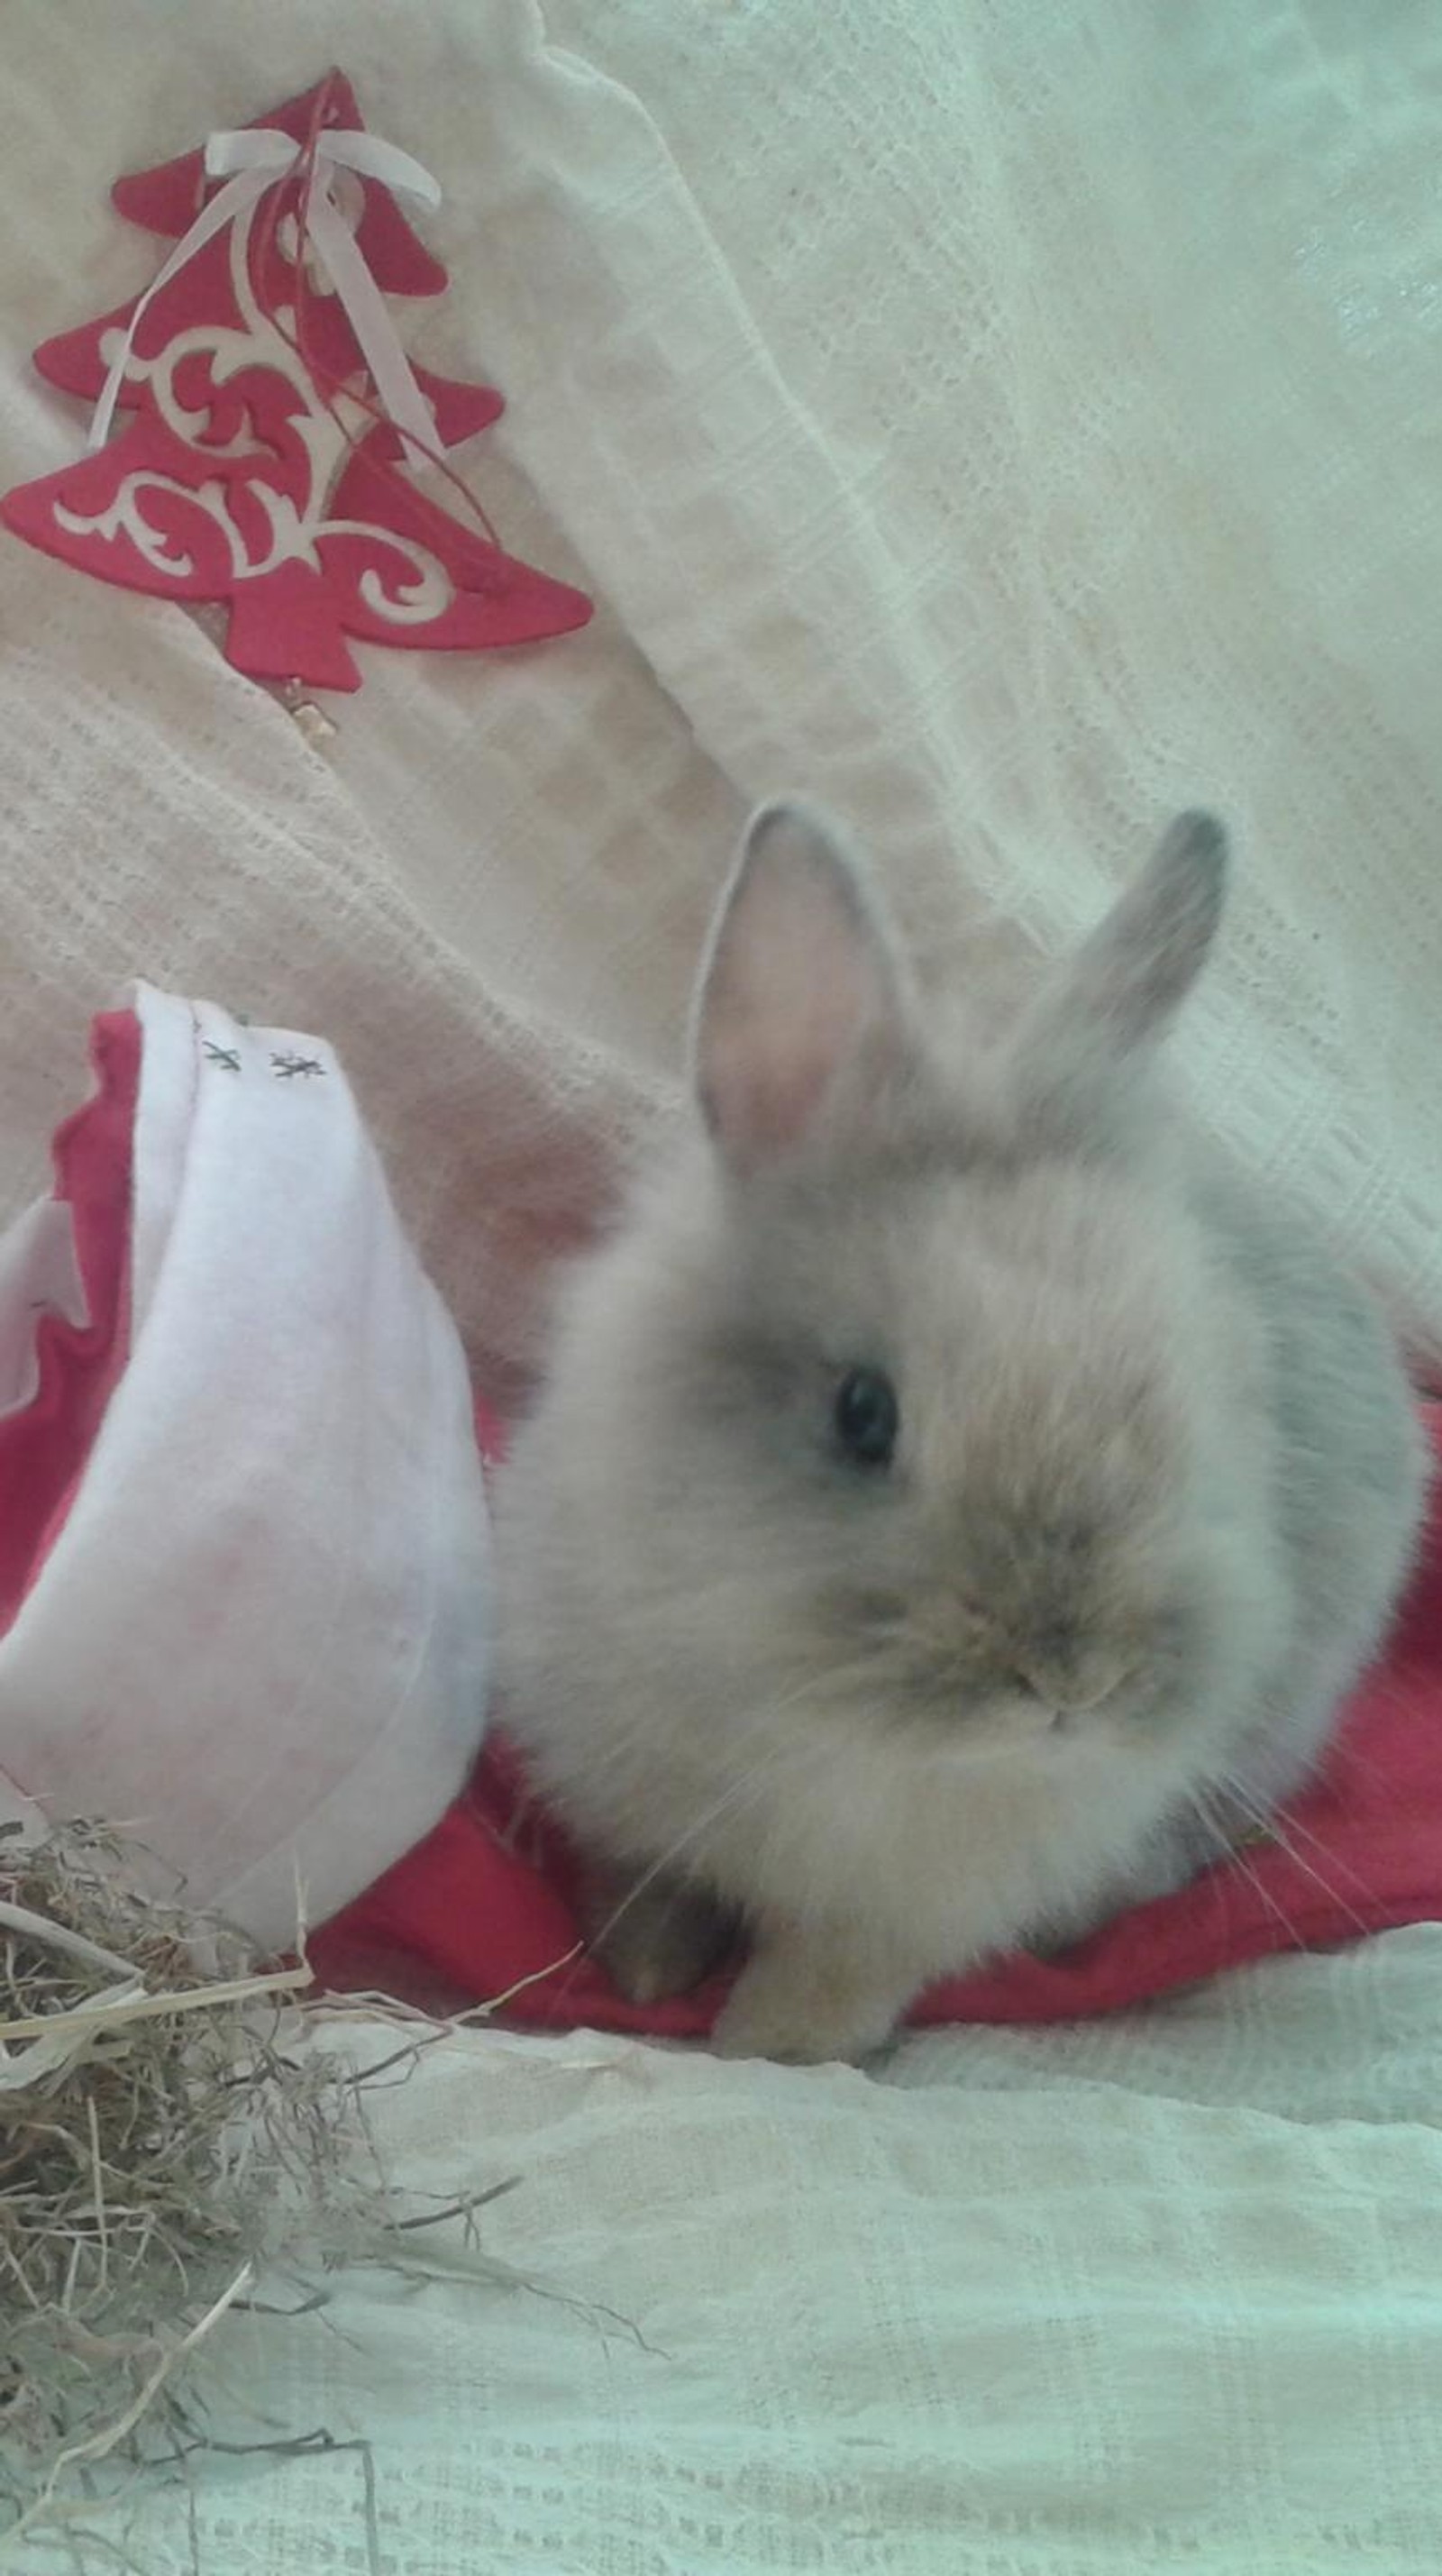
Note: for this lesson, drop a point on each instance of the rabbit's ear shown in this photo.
(1110, 1006)
(802, 985)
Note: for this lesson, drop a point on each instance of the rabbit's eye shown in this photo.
(866, 1417)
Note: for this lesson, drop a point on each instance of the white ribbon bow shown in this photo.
(251, 161)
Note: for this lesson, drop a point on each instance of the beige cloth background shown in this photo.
(1010, 422)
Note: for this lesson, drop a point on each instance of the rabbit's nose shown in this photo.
(1074, 1684)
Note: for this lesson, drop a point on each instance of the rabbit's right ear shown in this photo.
(801, 988)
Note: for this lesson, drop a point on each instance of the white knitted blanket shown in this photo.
(1151, 2296)
(1010, 422)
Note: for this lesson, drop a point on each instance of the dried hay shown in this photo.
(163, 2143)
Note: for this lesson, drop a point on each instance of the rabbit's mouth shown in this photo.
(1081, 1685)
(955, 1676)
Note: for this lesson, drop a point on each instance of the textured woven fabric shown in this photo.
(1007, 422)
(1133, 2298)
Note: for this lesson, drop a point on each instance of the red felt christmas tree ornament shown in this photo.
(274, 422)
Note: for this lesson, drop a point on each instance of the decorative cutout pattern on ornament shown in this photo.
(259, 468)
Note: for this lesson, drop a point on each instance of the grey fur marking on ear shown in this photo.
(801, 974)
(1137, 968)
(1112, 1003)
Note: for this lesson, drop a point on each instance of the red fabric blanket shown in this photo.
(481, 1909)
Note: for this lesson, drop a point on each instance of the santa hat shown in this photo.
(244, 1565)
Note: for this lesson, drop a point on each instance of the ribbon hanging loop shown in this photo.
(253, 160)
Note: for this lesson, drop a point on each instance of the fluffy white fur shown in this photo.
(1156, 1484)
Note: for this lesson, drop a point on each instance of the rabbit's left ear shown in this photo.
(802, 981)
(1109, 1007)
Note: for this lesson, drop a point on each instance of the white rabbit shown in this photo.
(959, 1495)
